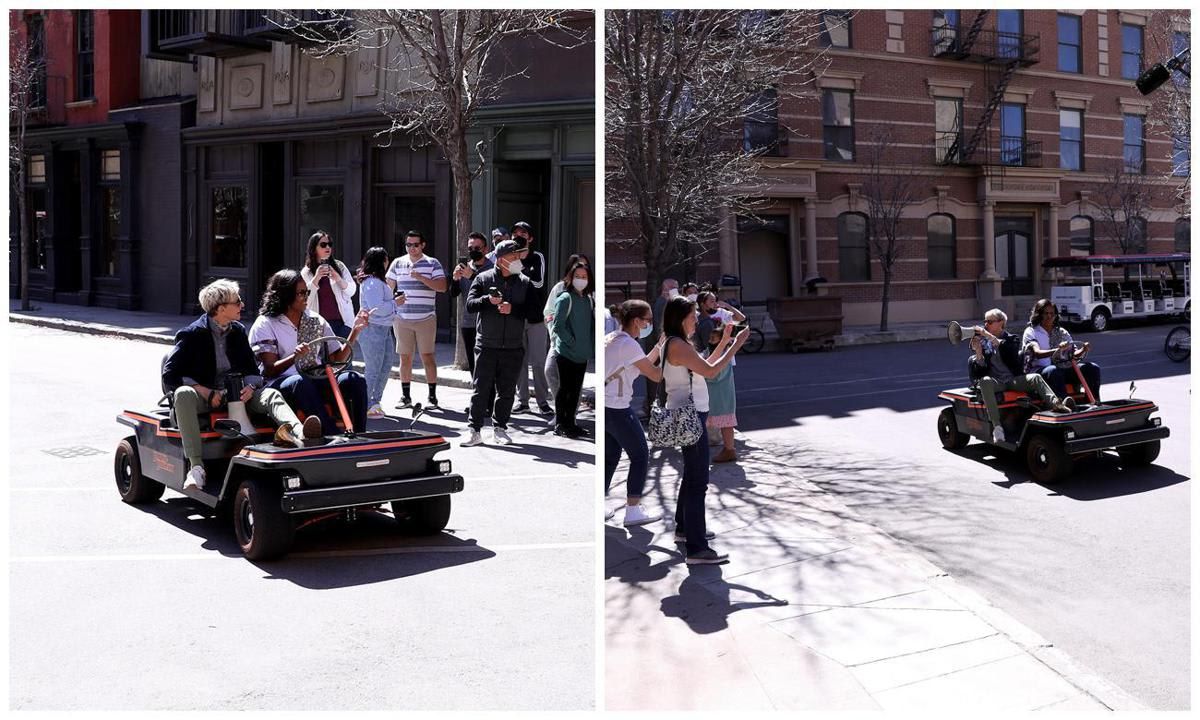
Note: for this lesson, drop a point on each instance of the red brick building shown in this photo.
(1010, 121)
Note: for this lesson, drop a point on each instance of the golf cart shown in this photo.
(272, 491)
(1132, 289)
(1051, 441)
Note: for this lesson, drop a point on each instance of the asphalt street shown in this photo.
(114, 607)
(1098, 565)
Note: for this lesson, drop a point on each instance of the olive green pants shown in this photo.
(1032, 384)
(189, 405)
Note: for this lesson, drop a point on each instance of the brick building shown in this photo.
(1010, 121)
(247, 144)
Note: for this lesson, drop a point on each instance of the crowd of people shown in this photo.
(510, 324)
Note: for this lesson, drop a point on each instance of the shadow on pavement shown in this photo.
(368, 550)
(704, 601)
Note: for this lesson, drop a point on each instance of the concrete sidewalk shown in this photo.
(161, 328)
(816, 610)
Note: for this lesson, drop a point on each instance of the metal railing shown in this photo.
(988, 45)
(1018, 152)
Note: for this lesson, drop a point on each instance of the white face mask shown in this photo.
(691, 298)
(515, 266)
(673, 293)
(645, 332)
(579, 283)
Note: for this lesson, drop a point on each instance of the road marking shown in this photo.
(365, 552)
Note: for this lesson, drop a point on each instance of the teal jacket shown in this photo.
(574, 327)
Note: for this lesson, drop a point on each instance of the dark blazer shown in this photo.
(1010, 355)
(195, 355)
(503, 332)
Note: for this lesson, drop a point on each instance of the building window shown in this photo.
(110, 228)
(1183, 234)
(110, 165)
(1137, 235)
(945, 31)
(1083, 238)
(940, 229)
(838, 113)
(854, 256)
(228, 226)
(37, 169)
(1135, 144)
(1070, 139)
(1179, 42)
(1181, 155)
(84, 52)
(1012, 134)
(1009, 25)
(321, 209)
(1070, 46)
(760, 129)
(36, 29)
(1131, 51)
(835, 28)
(947, 124)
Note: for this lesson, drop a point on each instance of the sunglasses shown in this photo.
(416, 244)
(239, 301)
(325, 244)
(304, 293)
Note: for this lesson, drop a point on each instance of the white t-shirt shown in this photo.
(1037, 334)
(419, 300)
(620, 351)
(277, 335)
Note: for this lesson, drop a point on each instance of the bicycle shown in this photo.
(1178, 345)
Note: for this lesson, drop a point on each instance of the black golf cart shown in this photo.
(272, 491)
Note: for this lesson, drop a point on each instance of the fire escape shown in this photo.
(1000, 54)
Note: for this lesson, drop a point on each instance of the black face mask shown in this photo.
(710, 311)
(521, 241)
(475, 255)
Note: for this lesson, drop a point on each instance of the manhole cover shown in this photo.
(73, 452)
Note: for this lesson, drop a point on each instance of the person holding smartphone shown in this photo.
(722, 393)
(465, 270)
(416, 278)
(330, 284)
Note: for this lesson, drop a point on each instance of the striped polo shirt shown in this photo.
(418, 299)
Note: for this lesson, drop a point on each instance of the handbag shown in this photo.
(678, 427)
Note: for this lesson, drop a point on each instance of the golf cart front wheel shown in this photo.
(948, 432)
(134, 487)
(1047, 459)
(264, 531)
(1140, 454)
(423, 516)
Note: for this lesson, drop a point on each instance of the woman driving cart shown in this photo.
(282, 338)
(206, 353)
(1045, 339)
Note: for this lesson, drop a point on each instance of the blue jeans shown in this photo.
(379, 356)
(309, 396)
(1057, 378)
(623, 431)
(689, 507)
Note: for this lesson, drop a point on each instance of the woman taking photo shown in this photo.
(624, 361)
(330, 284)
(684, 374)
(573, 335)
(376, 343)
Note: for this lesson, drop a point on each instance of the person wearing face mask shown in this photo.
(504, 300)
(624, 362)
(536, 334)
(462, 277)
(722, 414)
(690, 291)
(574, 331)
(548, 311)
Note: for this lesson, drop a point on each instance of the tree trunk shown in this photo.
(461, 175)
(883, 305)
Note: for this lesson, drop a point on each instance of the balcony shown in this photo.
(176, 34)
(267, 24)
(988, 46)
(1016, 152)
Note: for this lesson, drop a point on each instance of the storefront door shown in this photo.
(1014, 254)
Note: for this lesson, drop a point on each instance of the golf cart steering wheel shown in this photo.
(317, 372)
(1058, 359)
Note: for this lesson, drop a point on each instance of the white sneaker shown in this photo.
(637, 515)
(500, 435)
(475, 439)
(195, 479)
(375, 412)
(998, 434)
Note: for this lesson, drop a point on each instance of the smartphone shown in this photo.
(462, 260)
(494, 292)
(398, 293)
(737, 329)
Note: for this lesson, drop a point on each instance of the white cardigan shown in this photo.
(343, 296)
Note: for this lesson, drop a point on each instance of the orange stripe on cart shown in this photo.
(160, 432)
(337, 449)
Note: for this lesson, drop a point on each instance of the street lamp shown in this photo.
(1158, 73)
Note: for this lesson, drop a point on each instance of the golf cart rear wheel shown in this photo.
(423, 516)
(947, 427)
(1140, 454)
(1099, 319)
(134, 487)
(1047, 459)
(264, 531)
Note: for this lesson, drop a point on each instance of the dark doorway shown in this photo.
(273, 251)
(1014, 254)
(763, 258)
(523, 193)
(401, 211)
(68, 217)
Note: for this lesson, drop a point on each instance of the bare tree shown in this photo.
(679, 84)
(1170, 116)
(446, 66)
(26, 90)
(889, 189)
(1124, 199)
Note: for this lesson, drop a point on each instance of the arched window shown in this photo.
(1138, 239)
(1183, 234)
(1083, 236)
(854, 258)
(940, 229)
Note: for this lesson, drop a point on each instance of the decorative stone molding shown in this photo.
(1134, 17)
(942, 191)
(1016, 94)
(245, 87)
(948, 88)
(1133, 106)
(1070, 100)
(281, 85)
(853, 190)
(839, 80)
(207, 86)
(366, 73)
(326, 79)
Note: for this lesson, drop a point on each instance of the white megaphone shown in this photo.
(237, 408)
